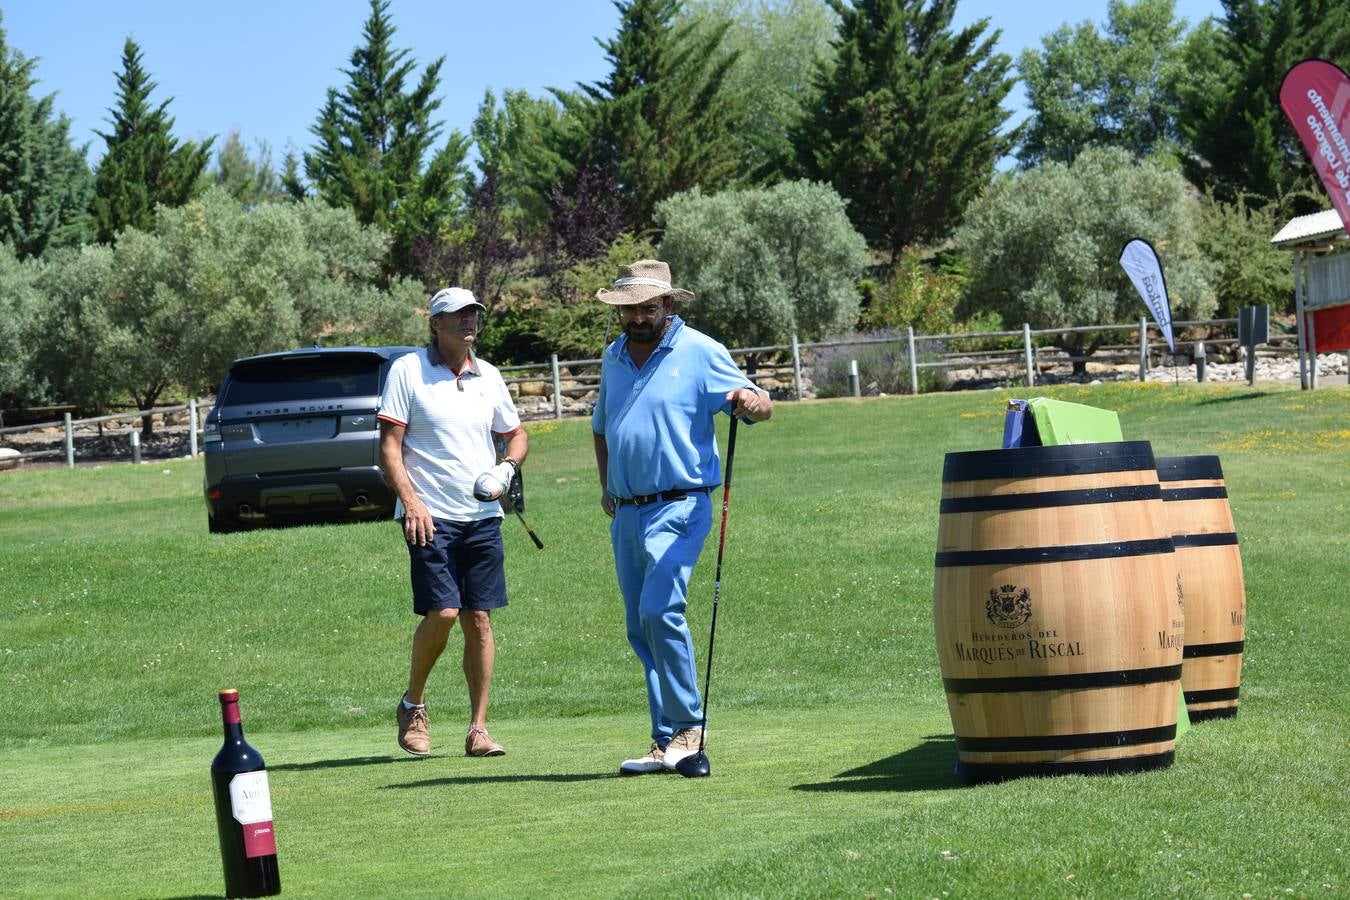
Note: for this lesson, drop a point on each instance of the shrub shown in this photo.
(1251, 270)
(559, 314)
(916, 296)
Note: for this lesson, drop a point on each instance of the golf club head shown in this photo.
(695, 766)
(486, 487)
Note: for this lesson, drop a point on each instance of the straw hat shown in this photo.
(644, 280)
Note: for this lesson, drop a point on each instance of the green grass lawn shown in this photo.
(831, 748)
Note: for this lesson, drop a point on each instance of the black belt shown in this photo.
(663, 496)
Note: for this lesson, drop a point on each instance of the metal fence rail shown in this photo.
(777, 362)
(68, 426)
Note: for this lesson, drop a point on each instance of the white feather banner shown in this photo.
(1140, 262)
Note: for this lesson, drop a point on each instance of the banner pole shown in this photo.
(1143, 348)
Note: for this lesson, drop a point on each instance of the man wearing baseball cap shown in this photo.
(440, 409)
(661, 384)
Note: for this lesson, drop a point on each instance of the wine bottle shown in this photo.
(248, 847)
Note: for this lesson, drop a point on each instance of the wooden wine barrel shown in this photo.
(1059, 628)
(1200, 520)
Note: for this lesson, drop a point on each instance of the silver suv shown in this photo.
(292, 438)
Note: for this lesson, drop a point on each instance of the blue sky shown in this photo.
(263, 67)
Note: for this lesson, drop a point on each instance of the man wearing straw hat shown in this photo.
(661, 384)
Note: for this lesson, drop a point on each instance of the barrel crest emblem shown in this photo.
(1009, 607)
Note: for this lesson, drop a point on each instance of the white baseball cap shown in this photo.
(453, 299)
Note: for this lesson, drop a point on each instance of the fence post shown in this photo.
(557, 389)
(913, 362)
(1312, 353)
(1199, 361)
(1298, 315)
(135, 445)
(853, 377)
(1030, 354)
(192, 427)
(70, 443)
(796, 368)
(1143, 349)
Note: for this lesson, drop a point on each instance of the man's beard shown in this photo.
(643, 332)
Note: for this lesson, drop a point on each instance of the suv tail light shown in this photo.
(211, 433)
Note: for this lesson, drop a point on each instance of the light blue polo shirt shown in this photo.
(658, 422)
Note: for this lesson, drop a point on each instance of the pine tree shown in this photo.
(373, 137)
(660, 122)
(44, 181)
(291, 185)
(143, 165)
(906, 125)
(248, 180)
(1240, 140)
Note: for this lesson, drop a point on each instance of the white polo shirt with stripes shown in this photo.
(450, 419)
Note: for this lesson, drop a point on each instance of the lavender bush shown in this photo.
(882, 368)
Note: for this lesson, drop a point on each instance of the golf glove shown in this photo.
(504, 471)
(492, 483)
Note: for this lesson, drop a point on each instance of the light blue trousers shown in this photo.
(655, 549)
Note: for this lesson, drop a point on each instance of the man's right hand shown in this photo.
(607, 503)
(418, 526)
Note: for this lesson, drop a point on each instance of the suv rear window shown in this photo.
(298, 378)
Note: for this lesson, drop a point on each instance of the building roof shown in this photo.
(1306, 229)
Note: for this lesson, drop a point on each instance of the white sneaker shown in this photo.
(684, 743)
(644, 765)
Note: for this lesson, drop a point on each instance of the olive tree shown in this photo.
(19, 305)
(764, 264)
(170, 308)
(1044, 245)
(74, 329)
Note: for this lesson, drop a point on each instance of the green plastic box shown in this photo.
(1061, 422)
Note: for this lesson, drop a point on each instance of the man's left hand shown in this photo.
(750, 404)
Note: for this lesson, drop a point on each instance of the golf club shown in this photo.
(697, 766)
(506, 502)
(488, 488)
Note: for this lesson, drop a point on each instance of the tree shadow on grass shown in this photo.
(497, 779)
(1229, 398)
(927, 766)
(341, 763)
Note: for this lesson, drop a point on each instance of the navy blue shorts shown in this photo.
(461, 567)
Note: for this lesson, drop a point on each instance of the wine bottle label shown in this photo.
(251, 803)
